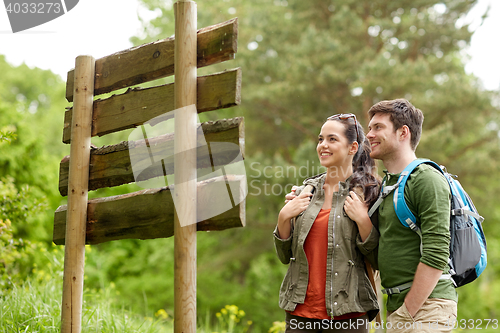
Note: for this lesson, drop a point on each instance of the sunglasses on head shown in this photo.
(345, 116)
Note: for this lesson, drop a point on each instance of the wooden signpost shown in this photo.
(74, 256)
(185, 167)
(160, 212)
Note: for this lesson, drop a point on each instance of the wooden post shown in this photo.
(185, 167)
(74, 258)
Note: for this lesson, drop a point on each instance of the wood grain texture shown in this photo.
(74, 251)
(111, 165)
(137, 106)
(149, 214)
(152, 61)
(185, 167)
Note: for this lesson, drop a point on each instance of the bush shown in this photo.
(15, 257)
(18, 257)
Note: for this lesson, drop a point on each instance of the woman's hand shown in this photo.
(355, 208)
(358, 212)
(295, 206)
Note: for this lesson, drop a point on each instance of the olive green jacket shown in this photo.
(348, 288)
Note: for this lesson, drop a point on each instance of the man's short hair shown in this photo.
(401, 113)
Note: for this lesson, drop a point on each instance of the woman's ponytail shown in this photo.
(364, 175)
(364, 170)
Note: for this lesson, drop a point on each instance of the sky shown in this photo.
(93, 27)
(103, 27)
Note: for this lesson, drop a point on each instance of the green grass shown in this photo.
(35, 306)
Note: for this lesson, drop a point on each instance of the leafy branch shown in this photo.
(7, 134)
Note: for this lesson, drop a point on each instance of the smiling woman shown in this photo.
(330, 225)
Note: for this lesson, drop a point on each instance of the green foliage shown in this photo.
(18, 204)
(32, 108)
(303, 61)
(17, 255)
(14, 253)
(7, 134)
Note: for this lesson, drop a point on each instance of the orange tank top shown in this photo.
(316, 249)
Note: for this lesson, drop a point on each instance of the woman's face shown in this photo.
(333, 148)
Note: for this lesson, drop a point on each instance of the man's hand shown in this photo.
(425, 281)
(290, 196)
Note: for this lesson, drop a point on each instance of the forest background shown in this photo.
(302, 61)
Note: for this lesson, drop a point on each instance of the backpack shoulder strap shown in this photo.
(404, 213)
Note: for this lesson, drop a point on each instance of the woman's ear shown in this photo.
(354, 148)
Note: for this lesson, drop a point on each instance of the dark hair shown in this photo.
(364, 175)
(401, 113)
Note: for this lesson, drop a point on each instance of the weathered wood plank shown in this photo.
(152, 61)
(111, 165)
(149, 214)
(137, 106)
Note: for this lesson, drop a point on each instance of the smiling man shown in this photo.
(420, 296)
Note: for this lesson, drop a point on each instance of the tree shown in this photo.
(304, 61)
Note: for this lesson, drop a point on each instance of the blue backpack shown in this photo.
(467, 244)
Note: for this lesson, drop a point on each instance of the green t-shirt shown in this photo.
(428, 196)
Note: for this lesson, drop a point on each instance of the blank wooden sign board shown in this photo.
(188, 204)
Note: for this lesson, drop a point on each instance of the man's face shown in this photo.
(382, 137)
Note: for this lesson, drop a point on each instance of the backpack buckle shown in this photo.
(397, 289)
